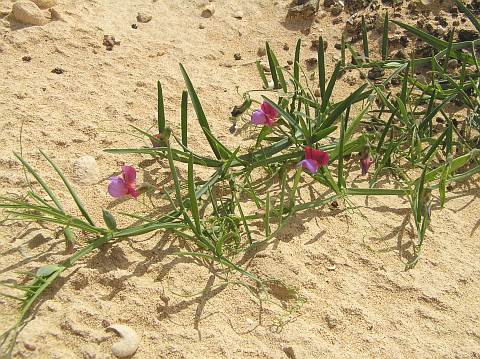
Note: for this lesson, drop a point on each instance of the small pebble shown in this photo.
(375, 73)
(134, 26)
(289, 352)
(238, 15)
(286, 47)
(290, 62)
(201, 26)
(58, 70)
(237, 56)
(143, 17)
(208, 10)
(261, 52)
(26, 58)
(29, 346)
(336, 9)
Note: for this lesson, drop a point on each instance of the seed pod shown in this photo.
(109, 220)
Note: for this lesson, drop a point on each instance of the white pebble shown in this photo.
(129, 342)
(85, 169)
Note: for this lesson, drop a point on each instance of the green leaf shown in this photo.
(191, 194)
(296, 63)
(273, 66)
(321, 67)
(161, 109)
(202, 119)
(262, 74)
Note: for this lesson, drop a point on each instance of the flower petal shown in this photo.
(117, 187)
(308, 153)
(310, 165)
(258, 118)
(269, 110)
(365, 164)
(133, 192)
(129, 174)
(320, 156)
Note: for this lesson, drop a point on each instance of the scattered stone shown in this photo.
(238, 14)
(290, 62)
(29, 346)
(311, 62)
(208, 10)
(237, 56)
(129, 342)
(467, 35)
(45, 4)
(261, 51)
(134, 26)
(375, 73)
(302, 9)
(452, 64)
(109, 42)
(289, 352)
(58, 71)
(286, 47)
(85, 169)
(143, 17)
(455, 23)
(336, 9)
(27, 58)
(29, 13)
(201, 26)
(338, 46)
(55, 15)
(337, 20)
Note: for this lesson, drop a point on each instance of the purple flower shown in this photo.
(121, 186)
(314, 159)
(265, 115)
(365, 161)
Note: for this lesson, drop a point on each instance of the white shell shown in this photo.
(128, 343)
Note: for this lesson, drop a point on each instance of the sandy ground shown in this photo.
(347, 266)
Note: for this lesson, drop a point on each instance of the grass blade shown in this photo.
(183, 118)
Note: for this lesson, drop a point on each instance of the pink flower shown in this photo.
(365, 161)
(266, 115)
(314, 159)
(121, 186)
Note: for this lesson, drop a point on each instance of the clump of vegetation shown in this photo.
(402, 132)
